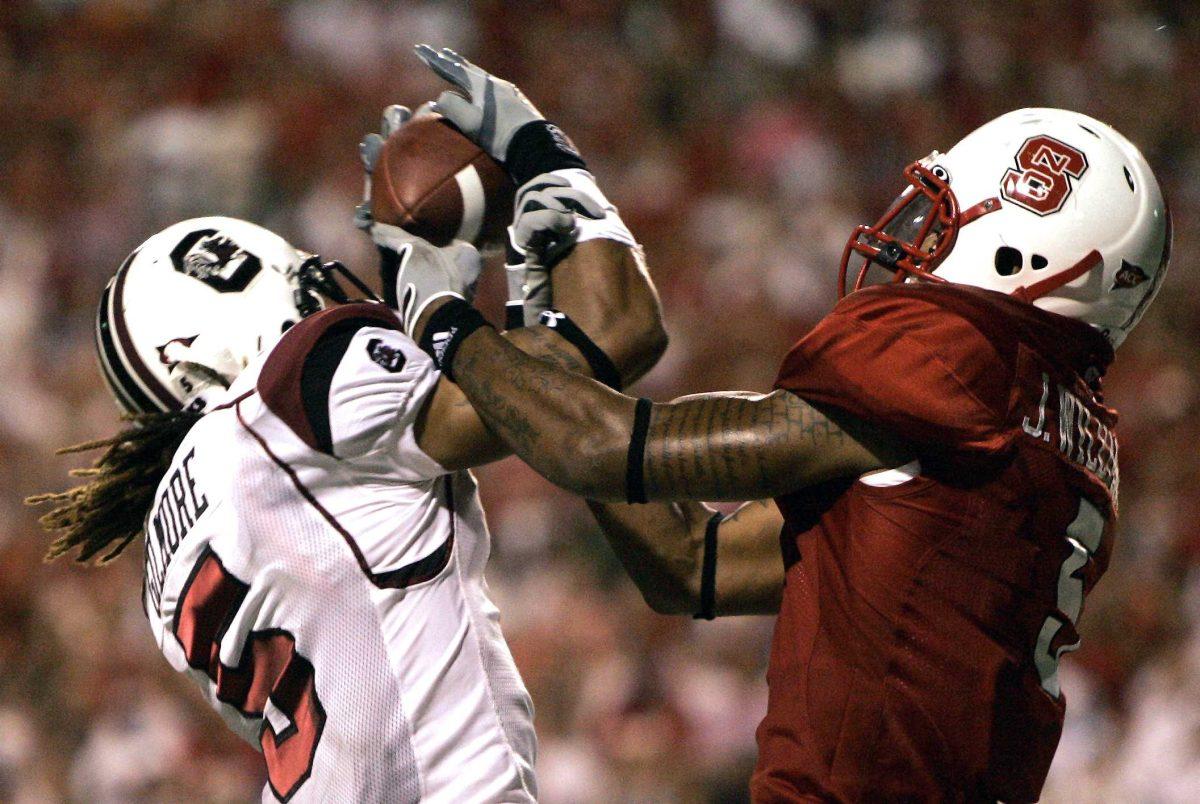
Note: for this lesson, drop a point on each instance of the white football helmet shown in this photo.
(194, 304)
(1046, 205)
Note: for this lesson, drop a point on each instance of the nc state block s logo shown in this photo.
(1041, 181)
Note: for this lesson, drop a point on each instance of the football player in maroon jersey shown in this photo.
(942, 465)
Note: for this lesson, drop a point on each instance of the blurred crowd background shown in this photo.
(742, 140)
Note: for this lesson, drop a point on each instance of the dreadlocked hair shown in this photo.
(103, 515)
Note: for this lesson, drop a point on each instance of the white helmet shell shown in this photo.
(1068, 186)
(226, 283)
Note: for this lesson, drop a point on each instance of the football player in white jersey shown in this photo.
(314, 546)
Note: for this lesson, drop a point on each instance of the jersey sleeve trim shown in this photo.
(296, 377)
(316, 378)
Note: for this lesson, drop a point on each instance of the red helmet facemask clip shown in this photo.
(912, 237)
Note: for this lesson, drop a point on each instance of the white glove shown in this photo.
(543, 231)
(394, 117)
(487, 109)
(416, 272)
(545, 221)
(553, 212)
(413, 271)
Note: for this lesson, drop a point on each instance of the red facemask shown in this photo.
(912, 237)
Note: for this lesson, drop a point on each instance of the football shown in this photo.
(435, 183)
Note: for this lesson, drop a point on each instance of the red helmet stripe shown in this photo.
(1052, 283)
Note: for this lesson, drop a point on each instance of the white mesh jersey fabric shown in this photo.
(410, 692)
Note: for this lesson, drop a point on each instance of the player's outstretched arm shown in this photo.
(662, 547)
(584, 437)
(604, 287)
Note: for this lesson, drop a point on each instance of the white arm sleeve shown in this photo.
(381, 383)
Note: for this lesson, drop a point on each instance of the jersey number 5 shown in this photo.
(1084, 535)
(269, 673)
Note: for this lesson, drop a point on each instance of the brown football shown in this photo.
(435, 183)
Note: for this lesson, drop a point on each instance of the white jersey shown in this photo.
(321, 579)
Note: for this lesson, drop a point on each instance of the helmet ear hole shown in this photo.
(1038, 262)
(1008, 261)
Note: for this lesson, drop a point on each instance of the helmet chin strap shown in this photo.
(315, 278)
(1029, 293)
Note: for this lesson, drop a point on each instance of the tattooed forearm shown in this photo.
(719, 447)
(545, 414)
(543, 344)
(549, 346)
(538, 342)
(576, 432)
(502, 415)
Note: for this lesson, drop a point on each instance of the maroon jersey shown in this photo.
(916, 652)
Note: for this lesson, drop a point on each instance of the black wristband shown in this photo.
(539, 147)
(601, 364)
(635, 482)
(514, 315)
(389, 268)
(448, 327)
(708, 570)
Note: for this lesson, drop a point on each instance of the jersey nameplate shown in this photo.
(175, 512)
(1079, 435)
